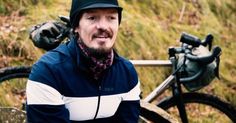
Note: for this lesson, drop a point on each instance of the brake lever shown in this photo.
(208, 41)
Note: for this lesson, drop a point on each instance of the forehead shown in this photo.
(101, 10)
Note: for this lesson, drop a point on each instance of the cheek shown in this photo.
(116, 26)
(84, 33)
(115, 31)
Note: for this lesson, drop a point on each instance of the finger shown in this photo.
(47, 33)
(55, 32)
(60, 25)
(45, 41)
(46, 44)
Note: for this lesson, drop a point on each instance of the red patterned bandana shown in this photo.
(97, 64)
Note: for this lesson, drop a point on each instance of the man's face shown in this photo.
(98, 29)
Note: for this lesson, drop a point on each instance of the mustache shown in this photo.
(103, 32)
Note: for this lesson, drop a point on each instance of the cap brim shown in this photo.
(101, 5)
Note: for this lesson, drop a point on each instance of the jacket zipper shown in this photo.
(98, 104)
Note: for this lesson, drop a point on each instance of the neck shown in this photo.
(97, 62)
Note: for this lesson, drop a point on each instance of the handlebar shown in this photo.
(189, 42)
(205, 59)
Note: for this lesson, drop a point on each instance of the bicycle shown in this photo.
(180, 99)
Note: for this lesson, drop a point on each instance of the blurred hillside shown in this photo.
(148, 28)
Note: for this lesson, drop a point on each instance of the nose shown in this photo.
(102, 24)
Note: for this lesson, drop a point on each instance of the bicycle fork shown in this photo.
(177, 93)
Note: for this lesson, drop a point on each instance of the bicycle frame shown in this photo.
(169, 81)
(164, 85)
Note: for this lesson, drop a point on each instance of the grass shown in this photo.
(12, 93)
(148, 28)
(152, 31)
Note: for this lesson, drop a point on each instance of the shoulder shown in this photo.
(50, 68)
(55, 56)
(126, 63)
(128, 69)
(50, 62)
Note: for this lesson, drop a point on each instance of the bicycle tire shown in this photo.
(14, 72)
(15, 78)
(203, 99)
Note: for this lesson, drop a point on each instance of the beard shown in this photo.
(96, 52)
(100, 51)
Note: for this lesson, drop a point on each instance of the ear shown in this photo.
(76, 30)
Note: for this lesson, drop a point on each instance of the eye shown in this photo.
(112, 17)
(91, 18)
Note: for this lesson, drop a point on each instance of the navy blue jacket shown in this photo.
(60, 90)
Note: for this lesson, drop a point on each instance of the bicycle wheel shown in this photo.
(14, 72)
(13, 83)
(201, 108)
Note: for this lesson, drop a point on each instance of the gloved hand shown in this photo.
(45, 35)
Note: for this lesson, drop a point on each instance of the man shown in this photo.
(85, 80)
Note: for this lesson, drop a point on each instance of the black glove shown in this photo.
(45, 35)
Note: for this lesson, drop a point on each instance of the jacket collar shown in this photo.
(77, 56)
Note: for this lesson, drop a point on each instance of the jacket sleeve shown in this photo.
(44, 102)
(129, 109)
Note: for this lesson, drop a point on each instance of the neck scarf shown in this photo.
(97, 63)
